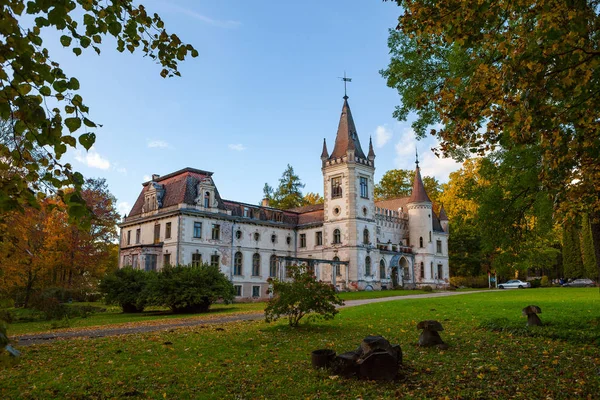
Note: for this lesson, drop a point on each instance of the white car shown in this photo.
(514, 284)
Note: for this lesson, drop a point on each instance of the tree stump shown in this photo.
(430, 336)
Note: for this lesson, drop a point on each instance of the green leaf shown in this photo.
(45, 91)
(65, 40)
(87, 140)
(60, 85)
(85, 41)
(77, 51)
(73, 124)
(73, 84)
(89, 123)
(70, 140)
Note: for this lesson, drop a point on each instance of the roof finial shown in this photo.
(345, 81)
(417, 156)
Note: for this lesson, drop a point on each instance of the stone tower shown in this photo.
(349, 212)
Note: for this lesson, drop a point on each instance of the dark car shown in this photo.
(580, 283)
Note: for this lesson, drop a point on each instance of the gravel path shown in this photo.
(38, 338)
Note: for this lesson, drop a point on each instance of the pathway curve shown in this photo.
(38, 338)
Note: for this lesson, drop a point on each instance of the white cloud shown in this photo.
(382, 135)
(237, 147)
(146, 178)
(210, 21)
(438, 167)
(92, 159)
(161, 144)
(123, 207)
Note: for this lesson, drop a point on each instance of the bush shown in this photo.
(427, 289)
(188, 289)
(126, 287)
(469, 281)
(545, 282)
(300, 296)
(535, 283)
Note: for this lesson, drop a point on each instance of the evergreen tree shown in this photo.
(288, 194)
(571, 251)
(587, 249)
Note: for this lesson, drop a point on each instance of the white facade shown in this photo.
(181, 219)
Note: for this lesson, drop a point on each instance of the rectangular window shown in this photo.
(319, 238)
(246, 212)
(336, 187)
(196, 259)
(138, 233)
(150, 262)
(238, 290)
(255, 291)
(214, 260)
(439, 246)
(156, 233)
(128, 237)
(197, 230)
(216, 231)
(168, 231)
(440, 274)
(134, 261)
(166, 259)
(303, 240)
(364, 188)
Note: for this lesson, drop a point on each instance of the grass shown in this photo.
(377, 294)
(253, 360)
(114, 316)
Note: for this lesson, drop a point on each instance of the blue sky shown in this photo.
(262, 94)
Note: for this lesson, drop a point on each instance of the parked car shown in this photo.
(514, 284)
(580, 283)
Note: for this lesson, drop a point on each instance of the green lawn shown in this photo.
(114, 316)
(254, 360)
(376, 294)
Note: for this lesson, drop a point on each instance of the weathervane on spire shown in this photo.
(345, 81)
(417, 157)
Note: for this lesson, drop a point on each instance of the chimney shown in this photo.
(265, 202)
(155, 176)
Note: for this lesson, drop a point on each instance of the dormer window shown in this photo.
(207, 199)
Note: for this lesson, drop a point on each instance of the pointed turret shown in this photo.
(443, 215)
(347, 138)
(418, 194)
(371, 152)
(324, 153)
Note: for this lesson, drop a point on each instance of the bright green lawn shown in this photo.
(376, 294)
(113, 315)
(253, 360)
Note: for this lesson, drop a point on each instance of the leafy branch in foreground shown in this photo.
(41, 112)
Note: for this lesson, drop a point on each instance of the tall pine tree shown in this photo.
(571, 251)
(288, 194)
(587, 249)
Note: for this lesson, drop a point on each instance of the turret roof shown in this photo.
(347, 138)
(443, 215)
(418, 190)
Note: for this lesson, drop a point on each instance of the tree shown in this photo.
(398, 183)
(311, 198)
(587, 249)
(128, 288)
(288, 194)
(571, 251)
(31, 83)
(300, 296)
(507, 74)
(190, 289)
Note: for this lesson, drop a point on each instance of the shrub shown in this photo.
(190, 288)
(469, 281)
(427, 289)
(300, 296)
(545, 282)
(535, 283)
(126, 287)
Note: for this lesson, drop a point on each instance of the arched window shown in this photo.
(256, 264)
(421, 241)
(256, 236)
(273, 238)
(368, 266)
(382, 269)
(366, 236)
(237, 263)
(207, 199)
(432, 276)
(337, 237)
(422, 270)
(273, 266)
(338, 269)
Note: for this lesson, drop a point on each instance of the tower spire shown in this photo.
(324, 153)
(419, 194)
(417, 156)
(371, 155)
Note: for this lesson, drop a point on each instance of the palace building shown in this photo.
(351, 240)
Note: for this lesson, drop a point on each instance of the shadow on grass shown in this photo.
(578, 332)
